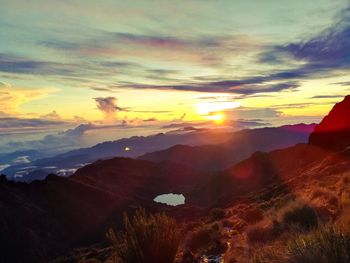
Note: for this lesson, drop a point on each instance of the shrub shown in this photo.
(205, 238)
(303, 217)
(252, 215)
(262, 232)
(217, 214)
(324, 245)
(268, 255)
(228, 223)
(145, 238)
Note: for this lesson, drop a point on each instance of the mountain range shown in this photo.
(44, 219)
(222, 148)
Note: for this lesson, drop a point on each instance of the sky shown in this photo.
(137, 66)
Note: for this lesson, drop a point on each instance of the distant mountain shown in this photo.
(239, 147)
(334, 130)
(67, 163)
(232, 147)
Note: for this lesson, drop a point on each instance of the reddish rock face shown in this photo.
(334, 130)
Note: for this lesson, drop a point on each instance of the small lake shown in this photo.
(170, 199)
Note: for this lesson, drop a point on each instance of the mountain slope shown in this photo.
(236, 147)
(239, 147)
(334, 130)
(266, 172)
(44, 219)
(65, 164)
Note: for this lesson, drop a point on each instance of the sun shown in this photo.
(217, 118)
(214, 110)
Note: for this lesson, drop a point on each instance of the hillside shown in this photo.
(333, 132)
(239, 147)
(45, 218)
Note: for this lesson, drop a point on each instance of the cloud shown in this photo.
(150, 119)
(203, 49)
(21, 160)
(343, 83)
(11, 97)
(79, 119)
(78, 131)
(244, 124)
(253, 113)
(53, 143)
(243, 87)
(185, 124)
(16, 123)
(108, 106)
(302, 105)
(4, 166)
(327, 52)
(231, 123)
(17, 64)
(52, 116)
(327, 96)
(152, 111)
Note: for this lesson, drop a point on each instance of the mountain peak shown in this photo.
(333, 132)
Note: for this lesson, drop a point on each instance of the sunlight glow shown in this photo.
(207, 107)
(217, 118)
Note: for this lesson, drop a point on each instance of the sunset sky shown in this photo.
(152, 63)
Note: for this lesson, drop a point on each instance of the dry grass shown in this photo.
(262, 232)
(326, 244)
(145, 237)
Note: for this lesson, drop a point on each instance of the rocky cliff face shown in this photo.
(334, 130)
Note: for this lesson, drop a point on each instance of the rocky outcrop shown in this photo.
(333, 132)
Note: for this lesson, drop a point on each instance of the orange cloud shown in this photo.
(11, 97)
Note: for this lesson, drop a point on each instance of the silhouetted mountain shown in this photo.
(274, 171)
(67, 163)
(43, 219)
(240, 146)
(334, 130)
(268, 172)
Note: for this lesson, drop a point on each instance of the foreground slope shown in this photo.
(45, 218)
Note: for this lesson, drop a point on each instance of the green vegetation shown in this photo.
(145, 237)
